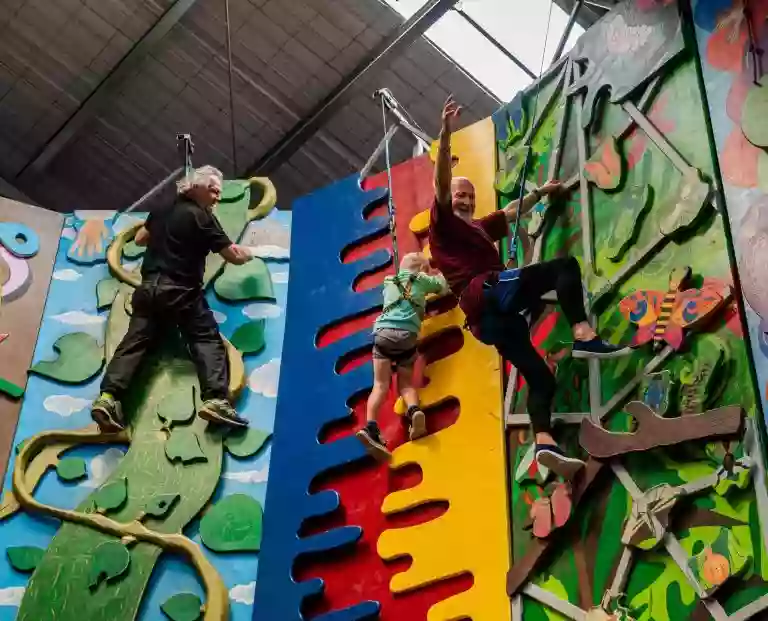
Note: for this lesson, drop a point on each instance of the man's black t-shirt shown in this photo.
(180, 239)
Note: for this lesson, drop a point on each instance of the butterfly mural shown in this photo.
(661, 317)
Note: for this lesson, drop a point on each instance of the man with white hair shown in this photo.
(178, 241)
(494, 298)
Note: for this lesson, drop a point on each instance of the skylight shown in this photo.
(519, 25)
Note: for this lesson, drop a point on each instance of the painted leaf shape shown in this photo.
(249, 337)
(233, 525)
(183, 607)
(80, 358)
(11, 389)
(71, 469)
(110, 560)
(251, 281)
(106, 292)
(753, 115)
(246, 442)
(24, 558)
(112, 496)
(184, 445)
(176, 407)
(604, 169)
(132, 250)
(161, 505)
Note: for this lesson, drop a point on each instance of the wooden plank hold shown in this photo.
(654, 431)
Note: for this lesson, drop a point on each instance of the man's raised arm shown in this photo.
(444, 163)
(530, 200)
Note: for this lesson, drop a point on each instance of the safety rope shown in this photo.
(529, 152)
(390, 200)
(231, 90)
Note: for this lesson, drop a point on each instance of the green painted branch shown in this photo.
(217, 605)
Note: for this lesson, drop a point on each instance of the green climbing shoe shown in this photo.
(108, 414)
(220, 411)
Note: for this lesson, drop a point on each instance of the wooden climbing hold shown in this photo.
(80, 357)
(110, 561)
(106, 292)
(183, 607)
(251, 281)
(249, 337)
(183, 445)
(654, 431)
(24, 558)
(111, 496)
(161, 506)
(233, 525)
(71, 469)
(245, 442)
(606, 168)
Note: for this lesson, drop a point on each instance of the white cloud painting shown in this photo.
(248, 476)
(68, 275)
(65, 405)
(262, 310)
(102, 466)
(264, 379)
(11, 596)
(243, 593)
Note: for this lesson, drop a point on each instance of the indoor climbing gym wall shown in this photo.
(28, 241)
(669, 518)
(731, 36)
(163, 521)
(347, 538)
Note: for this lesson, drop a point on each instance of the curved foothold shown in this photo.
(19, 239)
(20, 276)
(268, 198)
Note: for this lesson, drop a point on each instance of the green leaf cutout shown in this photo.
(106, 292)
(110, 560)
(251, 281)
(132, 250)
(249, 338)
(80, 358)
(184, 445)
(246, 442)
(71, 469)
(233, 525)
(177, 407)
(24, 558)
(112, 496)
(7, 387)
(233, 190)
(183, 607)
(161, 505)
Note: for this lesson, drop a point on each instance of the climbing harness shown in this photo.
(529, 152)
(405, 295)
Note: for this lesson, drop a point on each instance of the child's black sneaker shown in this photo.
(108, 414)
(553, 458)
(370, 436)
(417, 423)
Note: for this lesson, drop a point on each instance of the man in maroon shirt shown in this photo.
(494, 299)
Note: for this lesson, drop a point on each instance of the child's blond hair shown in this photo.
(414, 262)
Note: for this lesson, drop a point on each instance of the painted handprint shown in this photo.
(93, 239)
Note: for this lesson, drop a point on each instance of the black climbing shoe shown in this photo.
(597, 348)
(370, 436)
(220, 411)
(552, 458)
(108, 414)
(417, 423)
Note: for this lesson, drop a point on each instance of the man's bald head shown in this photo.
(463, 198)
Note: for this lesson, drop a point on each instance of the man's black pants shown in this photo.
(160, 305)
(507, 329)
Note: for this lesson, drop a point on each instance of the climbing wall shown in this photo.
(28, 241)
(733, 73)
(112, 553)
(346, 538)
(668, 520)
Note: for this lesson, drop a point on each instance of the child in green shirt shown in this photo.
(395, 334)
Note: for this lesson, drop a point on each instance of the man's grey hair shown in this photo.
(196, 178)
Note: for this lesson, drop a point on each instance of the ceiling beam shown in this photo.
(392, 45)
(108, 87)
